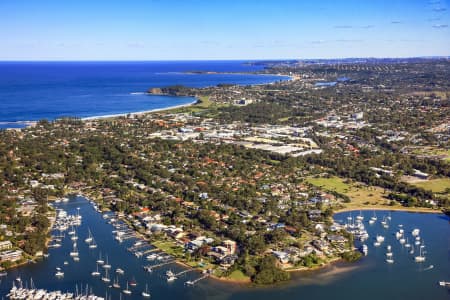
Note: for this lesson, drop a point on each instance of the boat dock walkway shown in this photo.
(149, 268)
(139, 247)
(126, 237)
(193, 282)
(183, 272)
(151, 251)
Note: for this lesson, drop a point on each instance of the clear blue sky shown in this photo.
(221, 29)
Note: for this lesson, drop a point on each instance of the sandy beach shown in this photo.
(139, 113)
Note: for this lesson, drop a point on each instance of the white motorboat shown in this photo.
(59, 274)
(364, 249)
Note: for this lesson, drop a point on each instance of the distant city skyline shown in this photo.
(213, 29)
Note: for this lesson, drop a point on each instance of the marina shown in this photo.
(23, 293)
(128, 268)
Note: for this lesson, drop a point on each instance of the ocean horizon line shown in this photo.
(225, 59)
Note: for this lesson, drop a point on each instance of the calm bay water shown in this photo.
(32, 91)
(370, 278)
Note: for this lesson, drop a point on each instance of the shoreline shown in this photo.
(329, 263)
(139, 113)
(296, 271)
(389, 208)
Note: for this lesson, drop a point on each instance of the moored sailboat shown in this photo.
(92, 245)
(145, 293)
(420, 257)
(96, 273)
(106, 277)
(116, 284)
(89, 238)
(74, 252)
(100, 261)
(107, 265)
(127, 291)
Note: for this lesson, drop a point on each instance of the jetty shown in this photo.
(183, 272)
(152, 250)
(138, 247)
(193, 282)
(149, 268)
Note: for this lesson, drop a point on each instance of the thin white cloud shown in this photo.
(136, 45)
(349, 41)
(439, 26)
(369, 26)
(343, 26)
(210, 43)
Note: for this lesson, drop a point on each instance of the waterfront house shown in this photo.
(282, 256)
(10, 255)
(5, 245)
(320, 245)
(314, 214)
(336, 239)
(228, 260)
(420, 174)
(230, 245)
(197, 243)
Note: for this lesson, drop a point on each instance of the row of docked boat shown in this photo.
(63, 199)
(357, 228)
(64, 221)
(20, 293)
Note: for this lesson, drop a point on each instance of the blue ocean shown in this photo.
(31, 91)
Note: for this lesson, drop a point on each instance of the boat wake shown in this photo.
(429, 268)
(137, 93)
